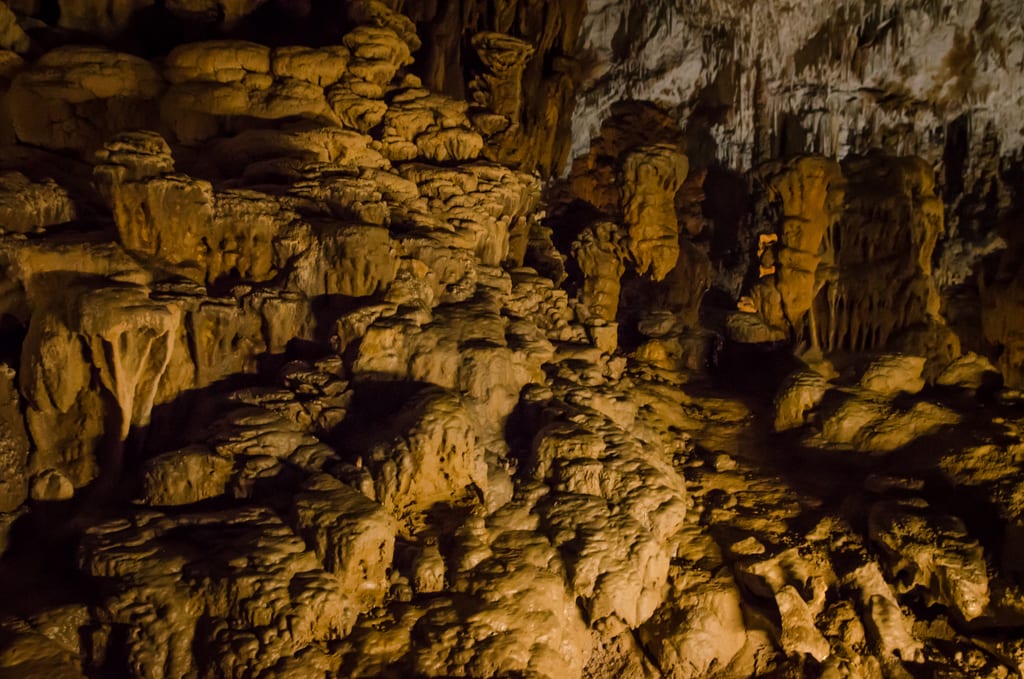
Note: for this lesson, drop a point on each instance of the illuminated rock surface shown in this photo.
(603, 339)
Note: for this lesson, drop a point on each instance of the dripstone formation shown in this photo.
(511, 339)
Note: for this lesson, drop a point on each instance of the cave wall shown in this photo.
(510, 339)
(750, 84)
(755, 81)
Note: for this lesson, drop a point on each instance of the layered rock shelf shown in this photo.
(466, 339)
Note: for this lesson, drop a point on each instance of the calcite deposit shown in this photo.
(568, 340)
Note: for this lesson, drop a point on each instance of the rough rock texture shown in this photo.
(14, 459)
(317, 359)
(943, 64)
(513, 61)
(600, 254)
(867, 416)
(27, 206)
(651, 177)
(845, 78)
(849, 266)
(806, 195)
(645, 243)
(195, 582)
(75, 97)
(887, 245)
(955, 573)
(506, 584)
(115, 344)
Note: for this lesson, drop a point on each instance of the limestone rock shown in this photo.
(480, 203)
(106, 18)
(54, 395)
(183, 222)
(651, 177)
(226, 12)
(930, 550)
(129, 339)
(699, 632)
(7, 521)
(228, 336)
(888, 628)
(353, 537)
(358, 107)
(381, 15)
(892, 218)
(775, 111)
(320, 66)
(433, 458)
(454, 60)
(890, 375)
(263, 436)
(469, 346)
(537, 298)
(242, 154)
(184, 477)
(867, 422)
(355, 261)
(27, 206)
(12, 36)
(10, 65)
(75, 97)
(827, 273)
(970, 371)
(377, 54)
(216, 80)
(747, 327)
(499, 92)
(51, 486)
(799, 634)
(252, 438)
(324, 380)
(131, 157)
(677, 297)
(935, 340)
(604, 477)
(509, 611)
(1000, 292)
(992, 471)
(798, 582)
(14, 452)
(596, 177)
(166, 217)
(34, 656)
(429, 570)
(216, 61)
(800, 393)
(600, 254)
(242, 239)
(251, 579)
(419, 124)
(809, 194)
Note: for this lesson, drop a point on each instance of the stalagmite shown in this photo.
(560, 340)
(497, 93)
(810, 193)
(651, 176)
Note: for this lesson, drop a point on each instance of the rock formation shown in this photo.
(795, 258)
(346, 340)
